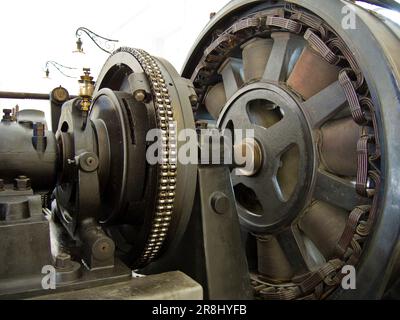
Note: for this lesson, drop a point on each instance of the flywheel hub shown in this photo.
(270, 198)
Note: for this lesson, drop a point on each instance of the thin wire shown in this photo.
(58, 66)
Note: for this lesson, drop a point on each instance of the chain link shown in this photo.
(168, 164)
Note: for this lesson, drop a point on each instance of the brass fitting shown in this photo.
(86, 89)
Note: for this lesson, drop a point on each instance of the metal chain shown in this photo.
(311, 21)
(337, 44)
(167, 167)
(319, 45)
(318, 284)
(284, 23)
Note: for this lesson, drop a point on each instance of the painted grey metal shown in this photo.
(381, 68)
(226, 266)
(24, 241)
(24, 95)
(324, 104)
(19, 155)
(285, 45)
(173, 285)
(337, 191)
(291, 130)
(380, 64)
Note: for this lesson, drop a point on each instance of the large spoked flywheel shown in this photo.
(323, 103)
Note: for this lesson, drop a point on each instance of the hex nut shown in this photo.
(63, 261)
(7, 114)
(22, 183)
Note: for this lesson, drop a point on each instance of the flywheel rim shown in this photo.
(221, 22)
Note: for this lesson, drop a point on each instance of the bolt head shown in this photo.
(7, 114)
(220, 202)
(193, 100)
(139, 95)
(22, 183)
(63, 260)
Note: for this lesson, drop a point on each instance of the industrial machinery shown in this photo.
(321, 195)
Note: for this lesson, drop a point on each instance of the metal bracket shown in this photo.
(225, 260)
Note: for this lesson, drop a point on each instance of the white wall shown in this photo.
(33, 32)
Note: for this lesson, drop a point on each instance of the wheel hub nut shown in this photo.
(248, 156)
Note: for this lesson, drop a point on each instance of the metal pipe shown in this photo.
(26, 95)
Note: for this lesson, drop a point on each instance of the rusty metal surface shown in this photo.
(311, 74)
(338, 146)
(255, 56)
(272, 261)
(323, 224)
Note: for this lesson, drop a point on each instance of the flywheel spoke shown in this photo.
(231, 77)
(337, 191)
(285, 44)
(325, 104)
